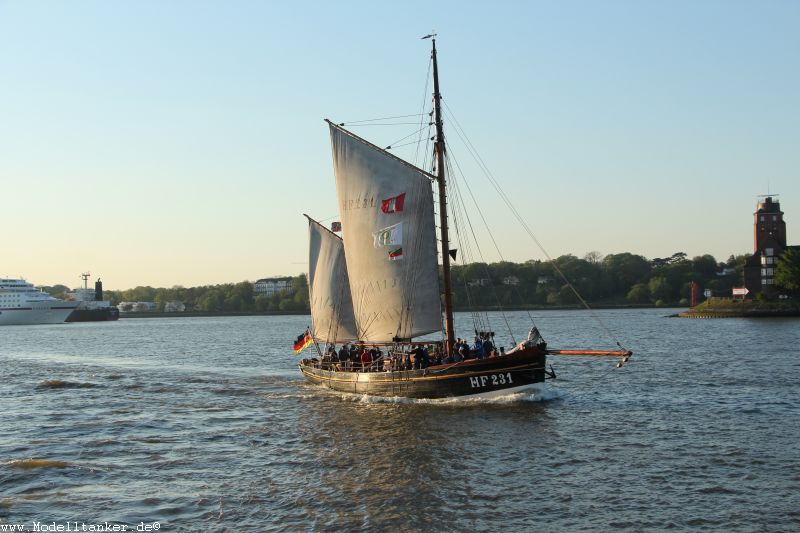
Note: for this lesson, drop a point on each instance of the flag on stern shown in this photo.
(336, 227)
(393, 204)
(303, 340)
(395, 254)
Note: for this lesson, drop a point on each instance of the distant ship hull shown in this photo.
(522, 371)
(91, 306)
(55, 314)
(100, 314)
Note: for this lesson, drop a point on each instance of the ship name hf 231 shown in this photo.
(477, 382)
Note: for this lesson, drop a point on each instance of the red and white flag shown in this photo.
(393, 204)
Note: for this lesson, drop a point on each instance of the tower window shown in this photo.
(769, 251)
(762, 218)
(774, 217)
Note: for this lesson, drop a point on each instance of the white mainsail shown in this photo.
(329, 289)
(386, 206)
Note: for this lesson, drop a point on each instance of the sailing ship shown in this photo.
(376, 289)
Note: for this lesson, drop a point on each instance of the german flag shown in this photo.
(303, 340)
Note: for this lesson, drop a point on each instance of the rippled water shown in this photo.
(204, 424)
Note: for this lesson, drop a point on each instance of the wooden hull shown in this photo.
(496, 376)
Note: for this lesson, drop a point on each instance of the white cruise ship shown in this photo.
(22, 303)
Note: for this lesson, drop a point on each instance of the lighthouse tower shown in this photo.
(769, 241)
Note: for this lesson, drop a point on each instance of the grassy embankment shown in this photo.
(727, 308)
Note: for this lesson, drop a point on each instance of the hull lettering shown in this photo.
(478, 382)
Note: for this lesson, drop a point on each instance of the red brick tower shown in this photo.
(769, 241)
(769, 228)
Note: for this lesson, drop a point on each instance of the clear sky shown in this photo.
(179, 142)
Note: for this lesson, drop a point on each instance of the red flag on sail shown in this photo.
(393, 204)
(303, 340)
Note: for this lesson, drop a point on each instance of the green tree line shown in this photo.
(615, 279)
(228, 297)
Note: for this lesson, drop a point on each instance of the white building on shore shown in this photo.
(273, 286)
(136, 307)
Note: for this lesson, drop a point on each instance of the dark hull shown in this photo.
(94, 315)
(475, 377)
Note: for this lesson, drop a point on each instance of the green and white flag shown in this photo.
(391, 236)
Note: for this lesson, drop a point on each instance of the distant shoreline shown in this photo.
(190, 314)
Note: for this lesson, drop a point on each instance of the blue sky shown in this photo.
(163, 143)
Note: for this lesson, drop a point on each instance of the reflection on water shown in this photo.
(206, 424)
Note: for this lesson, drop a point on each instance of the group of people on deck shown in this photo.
(481, 349)
(364, 358)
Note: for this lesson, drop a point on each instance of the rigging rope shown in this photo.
(351, 122)
(472, 230)
(392, 145)
(471, 148)
(460, 213)
(486, 225)
(466, 254)
(421, 119)
(380, 124)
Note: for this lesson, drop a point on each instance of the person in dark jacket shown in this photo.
(344, 357)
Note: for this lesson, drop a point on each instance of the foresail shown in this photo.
(386, 207)
(329, 289)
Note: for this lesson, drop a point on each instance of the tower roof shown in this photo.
(768, 205)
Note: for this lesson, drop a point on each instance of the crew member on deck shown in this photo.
(478, 348)
(366, 360)
(344, 357)
(488, 348)
(458, 354)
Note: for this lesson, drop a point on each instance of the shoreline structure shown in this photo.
(729, 308)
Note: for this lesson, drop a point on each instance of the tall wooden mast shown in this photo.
(439, 147)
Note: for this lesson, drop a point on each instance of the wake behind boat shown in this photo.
(376, 289)
(22, 303)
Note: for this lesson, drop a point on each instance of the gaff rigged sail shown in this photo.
(329, 287)
(386, 206)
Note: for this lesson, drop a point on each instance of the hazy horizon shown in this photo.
(179, 143)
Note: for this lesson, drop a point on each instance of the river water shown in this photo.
(205, 424)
